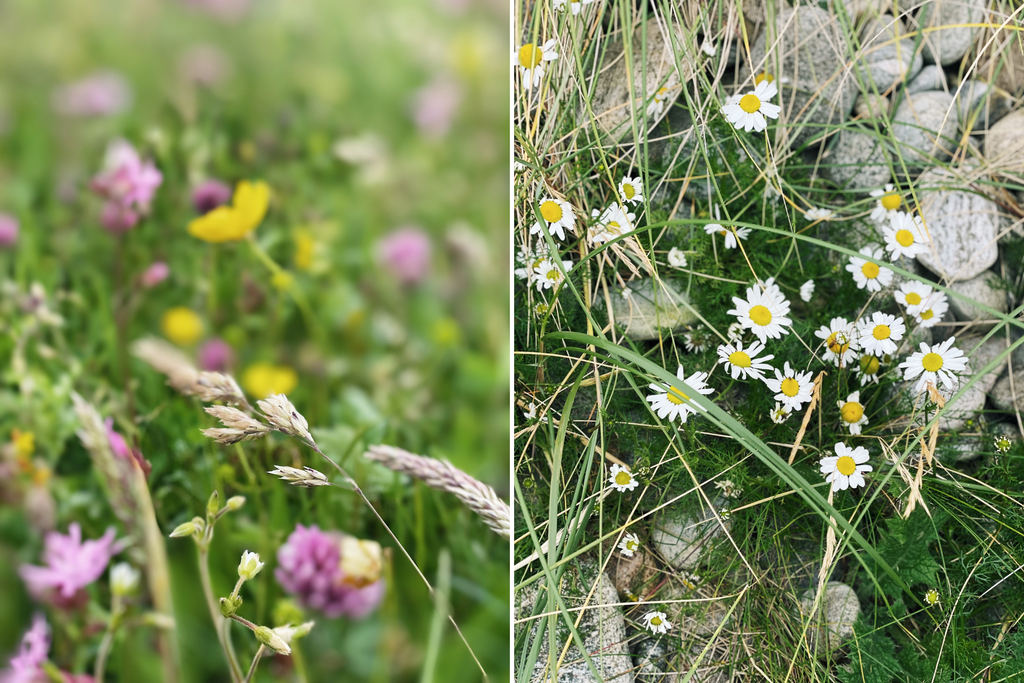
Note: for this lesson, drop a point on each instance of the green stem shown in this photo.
(255, 661)
(108, 639)
(218, 618)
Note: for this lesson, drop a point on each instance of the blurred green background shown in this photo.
(363, 118)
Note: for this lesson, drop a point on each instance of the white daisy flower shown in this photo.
(779, 413)
(734, 332)
(851, 411)
(549, 276)
(889, 201)
(841, 342)
(749, 111)
(676, 258)
(731, 235)
(904, 236)
(657, 622)
(530, 258)
(912, 294)
(530, 59)
(541, 309)
(558, 215)
(807, 290)
(931, 310)
(708, 48)
(931, 597)
(657, 105)
(763, 312)
(813, 214)
(793, 388)
(763, 76)
(629, 544)
(632, 189)
(622, 479)
(744, 363)
(867, 274)
(670, 403)
(934, 364)
(879, 333)
(611, 223)
(1002, 443)
(846, 468)
(867, 369)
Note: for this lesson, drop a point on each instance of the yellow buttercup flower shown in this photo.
(182, 325)
(265, 379)
(24, 443)
(305, 245)
(233, 223)
(251, 201)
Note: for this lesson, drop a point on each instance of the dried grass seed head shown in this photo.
(307, 477)
(283, 416)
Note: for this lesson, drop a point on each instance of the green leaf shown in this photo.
(872, 659)
(905, 547)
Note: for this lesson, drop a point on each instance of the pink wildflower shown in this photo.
(155, 274)
(118, 446)
(435, 106)
(216, 355)
(127, 183)
(8, 230)
(104, 93)
(210, 194)
(406, 252)
(225, 10)
(27, 665)
(71, 564)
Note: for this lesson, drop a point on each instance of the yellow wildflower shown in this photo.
(182, 325)
(251, 201)
(304, 248)
(233, 223)
(24, 443)
(264, 379)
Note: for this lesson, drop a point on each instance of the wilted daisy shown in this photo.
(657, 104)
(728, 488)
(807, 290)
(744, 363)
(815, 214)
(867, 369)
(629, 544)
(792, 388)
(934, 364)
(529, 258)
(549, 276)
(749, 111)
(912, 294)
(889, 201)
(558, 215)
(530, 59)
(931, 597)
(841, 342)
(904, 236)
(657, 622)
(1002, 443)
(695, 340)
(575, 5)
(931, 310)
(622, 479)
(846, 468)
(632, 189)
(731, 235)
(541, 309)
(676, 258)
(670, 403)
(763, 312)
(530, 413)
(880, 332)
(779, 413)
(611, 223)
(734, 332)
(851, 411)
(867, 274)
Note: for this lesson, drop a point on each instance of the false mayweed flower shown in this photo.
(657, 105)
(931, 310)
(731, 235)
(763, 312)
(734, 332)
(846, 468)
(851, 411)
(807, 291)
(880, 332)
(793, 388)
(558, 215)
(632, 189)
(71, 564)
(912, 294)
(779, 413)
(676, 258)
(904, 236)
(548, 275)
(867, 369)
(622, 479)
(8, 230)
(310, 568)
(889, 201)
(611, 223)
(657, 622)
(931, 597)
(27, 665)
(629, 544)
(815, 214)
(867, 274)
(530, 258)
(749, 111)
(541, 309)
(232, 223)
(209, 194)
(406, 253)
(127, 183)
(742, 363)
(264, 379)
(934, 364)
(841, 342)
(182, 325)
(530, 59)
(1002, 443)
(671, 403)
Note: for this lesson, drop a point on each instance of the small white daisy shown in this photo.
(841, 342)
(846, 468)
(931, 310)
(889, 201)
(934, 364)
(541, 309)
(814, 214)
(931, 597)
(779, 413)
(749, 111)
(792, 388)
(880, 332)
(549, 276)
(622, 479)
(1002, 443)
(744, 363)
(851, 412)
(904, 236)
(676, 258)
(807, 290)
(529, 259)
(657, 622)
(912, 294)
(763, 312)
(670, 403)
(708, 48)
(657, 105)
(611, 223)
(734, 332)
(867, 369)
(731, 235)
(867, 274)
(632, 189)
(530, 59)
(629, 544)
(558, 215)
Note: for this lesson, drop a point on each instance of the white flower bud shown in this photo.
(124, 579)
(250, 565)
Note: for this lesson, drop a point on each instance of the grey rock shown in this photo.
(684, 539)
(963, 227)
(924, 125)
(931, 77)
(979, 357)
(832, 621)
(885, 61)
(650, 310)
(1004, 144)
(808, 59)
(871, 106)
(949, 44)
(631, 574)
(1009, 386)
(981, 105)
(857, 160)
(649, 656)
(963, 449)
(980, 289)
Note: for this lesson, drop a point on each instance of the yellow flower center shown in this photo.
(870, 270)
(838, 343)
(655, 621)
(927, 315)
(740, 358)
(530, 56)
(790, 387)
(675, 396)
(551, 211)
(881, 332)
(932, 362)
(763, 76)
(631, 545)
(613, 226)
(628, 191)
(891, 201)
(931, 597)
(723, 233)
(913, 298)
(553, 275)
(750, 103)
(851, 411)
(869, 365)
(760, 315)
(846, 465)
(904, 237)
(623, 478)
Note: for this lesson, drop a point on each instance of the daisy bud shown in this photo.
(250, 565)
(230, 605)
(268, 637)
(124, 579)
(306, 477)
(283, 416)
(186, 529)
(234, 503)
